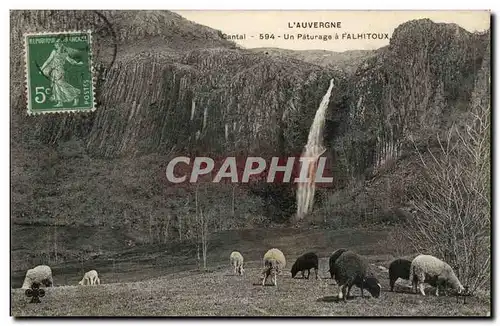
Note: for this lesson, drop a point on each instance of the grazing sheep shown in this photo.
(351, 269)
(399, 268)
(305, 263)
(236, 260)
(336, 254)
(432, 270)
(274, 263)
(41, 274)
(90, 278)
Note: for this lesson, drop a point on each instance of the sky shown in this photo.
(254, 23)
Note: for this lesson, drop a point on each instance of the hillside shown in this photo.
(158, 86)
(347, 61)
(168, 87)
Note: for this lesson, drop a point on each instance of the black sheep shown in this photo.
(352, 269)
(305, 263)
(400, 268)
(336, 254)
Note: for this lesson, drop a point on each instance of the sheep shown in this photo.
(399, 268)
(336, 254)
(274, 262)
(236, 261)
(305, 263)
(432, 270)
(90, 278)
(351, 269)
(41, 274)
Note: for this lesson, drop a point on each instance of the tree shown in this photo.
(453, 199)
(203, 221)
(204, 234)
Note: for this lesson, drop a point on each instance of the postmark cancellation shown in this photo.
(59, 72)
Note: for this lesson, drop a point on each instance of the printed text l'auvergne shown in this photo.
(328, 24)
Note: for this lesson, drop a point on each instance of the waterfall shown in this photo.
(205, 115)
(312, 151)
(193, 109)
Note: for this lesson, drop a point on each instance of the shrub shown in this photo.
(453, 200)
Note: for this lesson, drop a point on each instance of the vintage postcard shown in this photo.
(250, 163)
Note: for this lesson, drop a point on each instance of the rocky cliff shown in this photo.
(165, 89)
(168, 86)
(411, 90)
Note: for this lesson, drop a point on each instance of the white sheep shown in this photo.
(90, 278)
(434, 271)
(236, 260)
(41, 274)
(274, 262)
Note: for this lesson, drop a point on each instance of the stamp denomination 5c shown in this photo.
(59, 74)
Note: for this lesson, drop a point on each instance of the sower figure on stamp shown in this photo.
(54, 69)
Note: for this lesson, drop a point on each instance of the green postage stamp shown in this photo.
(59, 74)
